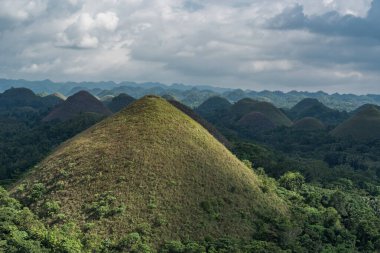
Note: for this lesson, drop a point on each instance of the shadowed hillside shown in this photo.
(308, 124)
(362, 126)
(213, 108)
(81, 102)
(119, 102)
(254, 123)
(311, 107)
(247, 105)
(22, 97)
(154, 168)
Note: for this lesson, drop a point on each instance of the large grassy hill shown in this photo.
(150, 168)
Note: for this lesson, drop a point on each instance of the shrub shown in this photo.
(292, 181)
(173, 247)
(37, 191)
(248, 163)
(51, 208)
(133, 243)
(104, 206)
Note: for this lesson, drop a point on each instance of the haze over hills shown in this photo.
(194, 95)
(81, 102)
(161, 169)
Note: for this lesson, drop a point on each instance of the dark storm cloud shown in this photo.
(331, 23)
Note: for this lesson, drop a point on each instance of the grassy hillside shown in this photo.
(150, 168)
(362, 126)
(209, 127)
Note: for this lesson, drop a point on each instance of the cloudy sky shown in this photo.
(330, 45)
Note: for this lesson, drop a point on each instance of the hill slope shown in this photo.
(204, 123)
(308, 124)
(160, 169)
(81, 102)
(362, 126)
(255, 123)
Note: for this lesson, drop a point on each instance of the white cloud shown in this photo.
(220, 42)
(88, 31)
(21, 10)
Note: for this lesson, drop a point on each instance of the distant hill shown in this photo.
(81, 102)
(364, 108)
(241, 108)
(311, 107)
(308, 124)
(194, 95)
(247, 105)
(119, 102)
(212, 105)
(22, 97)
(213, 108)
(151, 168)
(364, 125)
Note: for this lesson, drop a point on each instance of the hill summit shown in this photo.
(151, 167)
(311, 107)
(23, 97)
(80, 102)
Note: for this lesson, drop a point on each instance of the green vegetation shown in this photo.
(25, 140)
(152, 179)
(104, 206)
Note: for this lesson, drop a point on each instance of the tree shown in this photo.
(292, 180)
